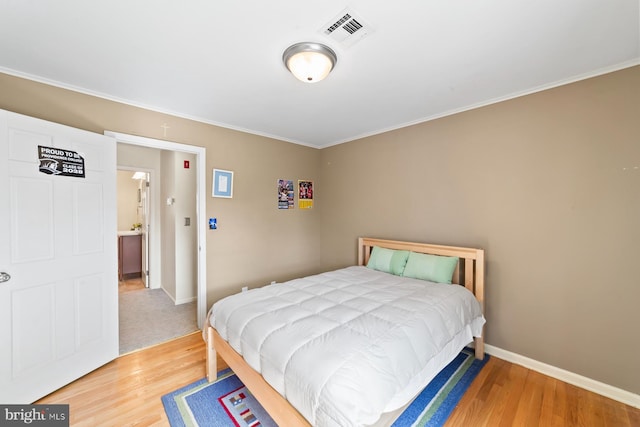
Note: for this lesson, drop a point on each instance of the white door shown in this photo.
(59, 308)
(144, 196)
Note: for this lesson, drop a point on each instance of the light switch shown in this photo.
(187, 221)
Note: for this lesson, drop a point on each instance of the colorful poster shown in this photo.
(305, 194)
(285, 194)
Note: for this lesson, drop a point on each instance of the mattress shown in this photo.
(344, 347)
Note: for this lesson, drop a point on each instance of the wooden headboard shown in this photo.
(469, 272)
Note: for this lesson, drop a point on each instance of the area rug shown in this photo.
(227, 402)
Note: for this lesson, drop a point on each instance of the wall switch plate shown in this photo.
(187, 221)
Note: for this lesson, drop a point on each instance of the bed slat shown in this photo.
(468, 274)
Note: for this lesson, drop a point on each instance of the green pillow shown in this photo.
(388, 260)
(433, 268)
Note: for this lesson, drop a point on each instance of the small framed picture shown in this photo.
(222, 183)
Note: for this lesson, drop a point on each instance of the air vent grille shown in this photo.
(337, 24)
(352, 26)
(345, 28)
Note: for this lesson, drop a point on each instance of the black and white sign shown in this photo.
(56, 161)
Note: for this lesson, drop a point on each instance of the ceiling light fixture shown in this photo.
(139, 175)
(309, 62)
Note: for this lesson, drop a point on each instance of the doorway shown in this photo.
(171, 303)
(133, 223)
(199, 160)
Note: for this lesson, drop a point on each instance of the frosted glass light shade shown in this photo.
(309, 62)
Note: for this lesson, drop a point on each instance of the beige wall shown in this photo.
(179, 243)
(545, 183)
(186, 247)
(255, 243)
(168, 222)
(548, 184)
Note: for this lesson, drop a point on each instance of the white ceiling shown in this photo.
(220, 61)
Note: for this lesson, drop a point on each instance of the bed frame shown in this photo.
(469, 273)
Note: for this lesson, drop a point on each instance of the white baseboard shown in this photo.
(603, 389)
(181, 300)
(185, 300)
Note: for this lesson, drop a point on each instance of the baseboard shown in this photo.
(603, 389)
(179, 301)
(185, 300)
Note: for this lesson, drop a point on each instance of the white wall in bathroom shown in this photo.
(127, 200)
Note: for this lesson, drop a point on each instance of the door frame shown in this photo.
(201, 204)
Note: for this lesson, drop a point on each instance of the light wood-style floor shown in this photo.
(130, 285)
(127, 391)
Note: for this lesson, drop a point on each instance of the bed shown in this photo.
(355, 345)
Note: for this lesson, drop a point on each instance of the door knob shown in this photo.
(4, 277)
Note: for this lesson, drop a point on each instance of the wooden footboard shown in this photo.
(277, 406)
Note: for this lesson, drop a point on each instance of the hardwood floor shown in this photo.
(127, 391)
(504, 394)
(130, 285)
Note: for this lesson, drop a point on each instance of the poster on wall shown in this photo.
(285, 194)
(56, 161)
(305, 194)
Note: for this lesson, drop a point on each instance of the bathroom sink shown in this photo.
(129, 233)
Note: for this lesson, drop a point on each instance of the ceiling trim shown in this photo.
(78, 89)
(579, 77)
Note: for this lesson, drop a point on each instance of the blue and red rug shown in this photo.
(227, 402)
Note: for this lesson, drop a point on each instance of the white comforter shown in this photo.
(345, 346)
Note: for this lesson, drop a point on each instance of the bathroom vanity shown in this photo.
(129, 254)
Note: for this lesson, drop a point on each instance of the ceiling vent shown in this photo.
(346, 28)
